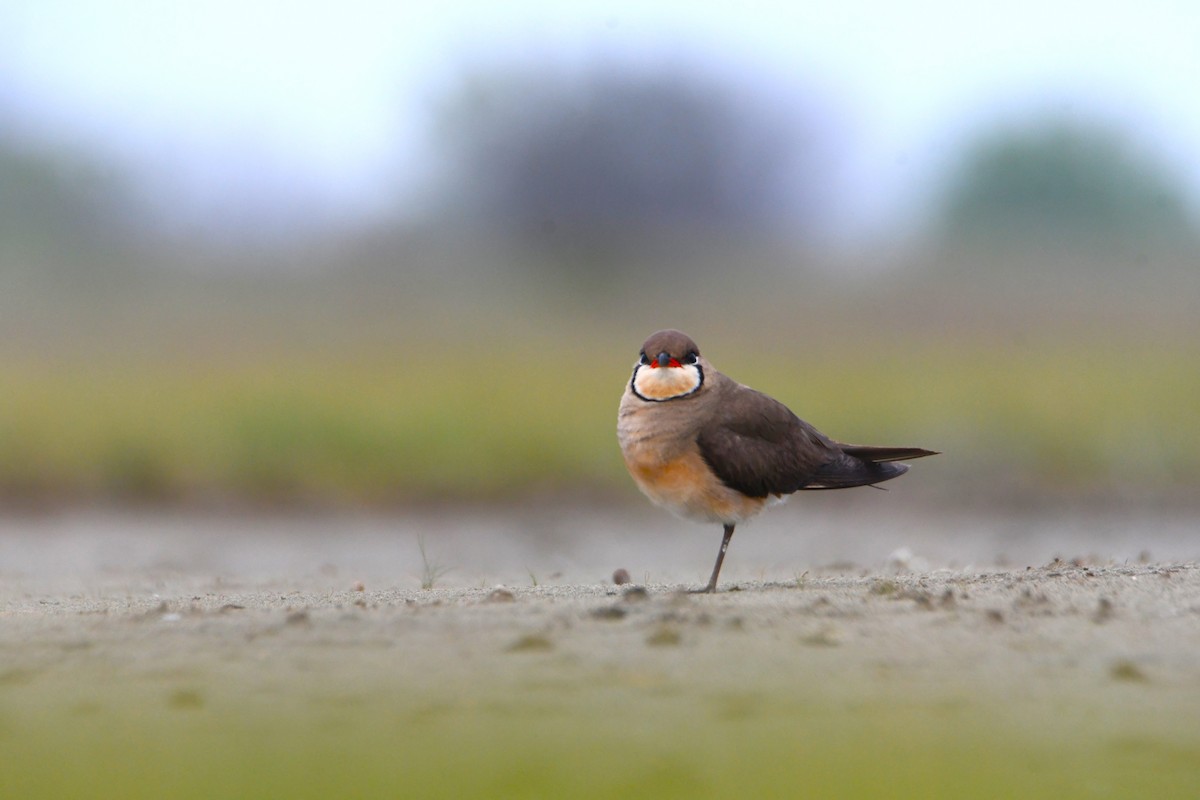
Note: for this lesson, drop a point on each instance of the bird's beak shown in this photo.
(664, 359)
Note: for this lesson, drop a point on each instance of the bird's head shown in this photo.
(669, 367)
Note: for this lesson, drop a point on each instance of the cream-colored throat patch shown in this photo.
(665, 383)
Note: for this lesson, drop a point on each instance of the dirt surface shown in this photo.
(1085, 597)
(825, 616)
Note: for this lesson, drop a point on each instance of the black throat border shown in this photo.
(640, 396)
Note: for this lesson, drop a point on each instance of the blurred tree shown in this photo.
(1064, 187)
(616, 156)
(64, 223)
(48, 200)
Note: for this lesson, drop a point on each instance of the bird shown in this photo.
(712, 450)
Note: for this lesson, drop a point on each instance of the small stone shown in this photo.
(185, 699)
(501, 595)
(665, 637)
(531, 643)
(918, 596)
(609, 613)
(822, 637)
(635, 594)
(1124, 670)
(884, 588)
(621, 577)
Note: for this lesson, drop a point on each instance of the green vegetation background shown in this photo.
(384, 393)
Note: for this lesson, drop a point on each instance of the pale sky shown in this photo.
(329, 99)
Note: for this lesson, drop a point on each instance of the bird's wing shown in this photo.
(758, 447)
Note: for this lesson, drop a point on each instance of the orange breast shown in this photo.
(686, 486)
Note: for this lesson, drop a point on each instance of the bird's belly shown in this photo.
(687, 487)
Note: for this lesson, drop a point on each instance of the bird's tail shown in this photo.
(861, 465)
(877, 455)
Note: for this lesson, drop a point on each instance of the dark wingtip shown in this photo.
(848, 471)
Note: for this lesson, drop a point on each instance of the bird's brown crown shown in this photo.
(676, 344)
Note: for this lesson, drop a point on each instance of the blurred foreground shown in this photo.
(226, 656)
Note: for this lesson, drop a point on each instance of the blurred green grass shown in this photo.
(482, 416)
(129, 738)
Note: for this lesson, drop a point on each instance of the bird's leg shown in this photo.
(712, 582)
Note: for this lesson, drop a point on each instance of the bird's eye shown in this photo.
(691, 358)
(642, 359)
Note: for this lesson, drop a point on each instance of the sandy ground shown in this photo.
(1048, 623)
(1090, 590)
